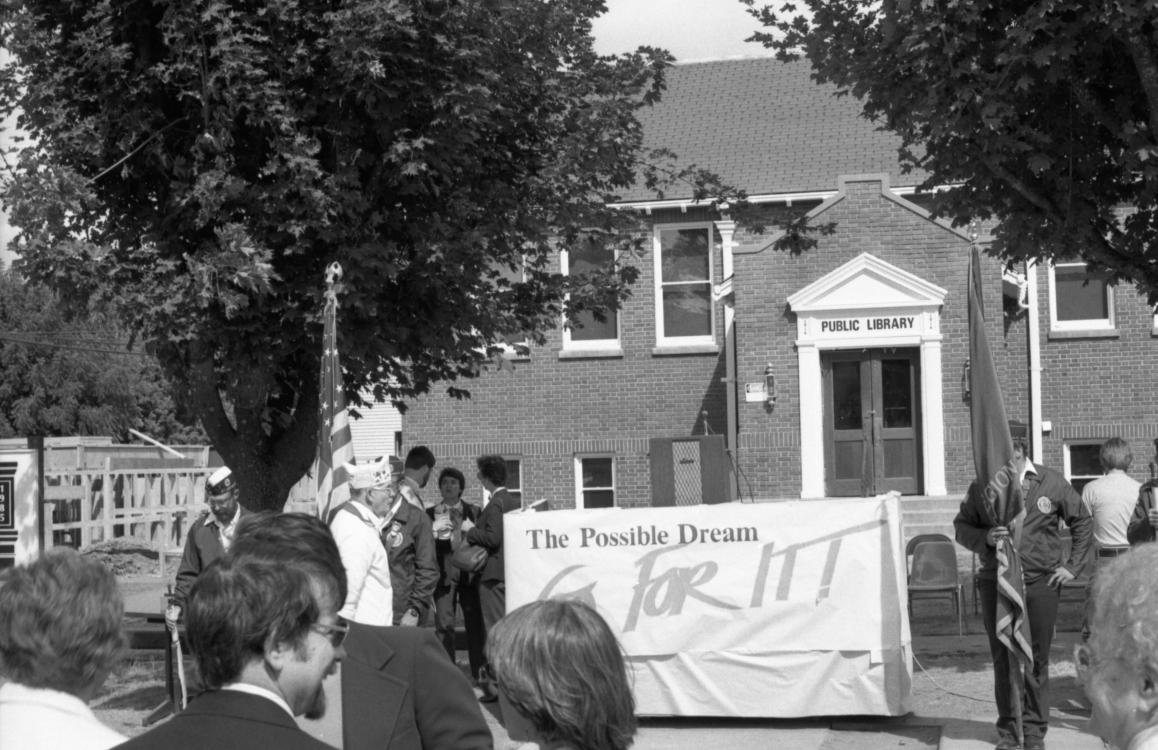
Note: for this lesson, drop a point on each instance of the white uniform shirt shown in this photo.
(40, 719)
(1110, 501)
(369, 593)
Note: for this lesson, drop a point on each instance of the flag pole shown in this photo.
(335, 445)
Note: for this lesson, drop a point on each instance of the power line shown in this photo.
(78, 334)
(16, 340)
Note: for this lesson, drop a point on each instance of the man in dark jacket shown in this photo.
(488, 534)
(208, 538)
(409, 542)
(1047, 499)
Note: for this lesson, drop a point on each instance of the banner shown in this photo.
(19, 507)
(768, 609)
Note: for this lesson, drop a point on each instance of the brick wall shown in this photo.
(865, 221)
(1101, 386)
(545, 410)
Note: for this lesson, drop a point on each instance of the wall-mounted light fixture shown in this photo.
(966, 380)
(769, 386)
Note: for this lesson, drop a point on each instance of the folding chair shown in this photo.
(934, 575)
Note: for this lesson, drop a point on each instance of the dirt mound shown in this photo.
(126, 556)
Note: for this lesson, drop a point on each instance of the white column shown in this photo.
(811, 421)
(933, 417)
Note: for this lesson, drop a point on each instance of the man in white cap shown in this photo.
(357, 527)
(209, 537)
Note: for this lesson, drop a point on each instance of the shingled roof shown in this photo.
(766, 127)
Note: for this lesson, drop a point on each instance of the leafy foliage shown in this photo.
(1042, 115)
(198, 165)
(62, 376)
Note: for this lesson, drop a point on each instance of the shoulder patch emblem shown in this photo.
(1045, 505)
(394, 536)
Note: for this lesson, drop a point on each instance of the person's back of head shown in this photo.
(1119, 663)
(493, 469)
(559, 666)
(292, 538)
(60, 623)
(1116, 454)
(420, 457)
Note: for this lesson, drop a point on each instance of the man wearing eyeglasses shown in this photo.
(209, 537)
(395, 689)
(357, 525)
(1118, 666)
(265, 635)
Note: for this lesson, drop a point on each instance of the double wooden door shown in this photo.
(872, 422)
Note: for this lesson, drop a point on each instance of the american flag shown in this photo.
(998, 478)
(335, 446)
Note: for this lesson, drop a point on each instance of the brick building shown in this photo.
(737, 371)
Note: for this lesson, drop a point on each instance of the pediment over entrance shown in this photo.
(865, 283)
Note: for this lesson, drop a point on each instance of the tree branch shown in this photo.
(1142, 54)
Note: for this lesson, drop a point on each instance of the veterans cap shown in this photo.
(376, 474)
(220, 483)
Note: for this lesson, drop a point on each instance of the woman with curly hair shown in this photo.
(562, 678)
(60, 637)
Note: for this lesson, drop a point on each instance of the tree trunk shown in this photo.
(267, 461)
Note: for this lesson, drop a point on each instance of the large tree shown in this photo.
(199, 164)
(1043, 114)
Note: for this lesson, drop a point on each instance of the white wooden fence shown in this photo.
(155, 505)
(93, 505)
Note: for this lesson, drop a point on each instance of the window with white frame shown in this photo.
(594, 482)
(683, 288)
(591, 253)
(1082, 463)
(1080, 299)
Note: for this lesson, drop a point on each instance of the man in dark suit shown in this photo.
(395, 689)
(265, 635)
(488, 534)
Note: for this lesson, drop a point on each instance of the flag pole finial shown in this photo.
(333, 280)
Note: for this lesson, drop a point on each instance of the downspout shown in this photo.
(723, 291)
(1034, 361)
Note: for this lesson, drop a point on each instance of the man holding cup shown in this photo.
(455, 587)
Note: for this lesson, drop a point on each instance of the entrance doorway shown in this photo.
(872, 422)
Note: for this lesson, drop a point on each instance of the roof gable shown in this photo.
(765, 126)
(866, 281)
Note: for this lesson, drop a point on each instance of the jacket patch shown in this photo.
(394, 536)
(1045, 505)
